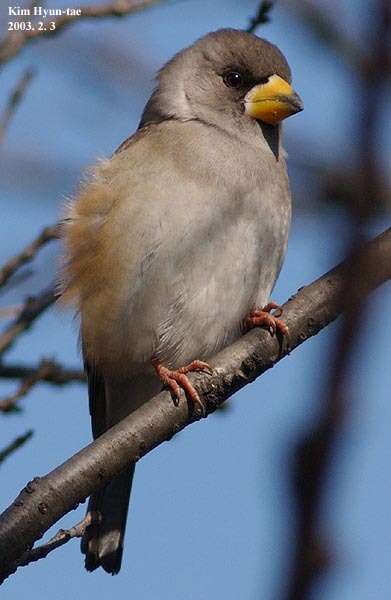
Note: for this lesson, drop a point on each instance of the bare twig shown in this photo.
(27, 254)
(262, 16)
(62, 537)
(44, 500)
(16, 40)
(13, 102)
(33, 308)
(14, 445)
(54, 373)
(44, 370)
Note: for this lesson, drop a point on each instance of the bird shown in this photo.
(173, 245)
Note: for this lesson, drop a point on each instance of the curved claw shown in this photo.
(177, 380)
(271, 322)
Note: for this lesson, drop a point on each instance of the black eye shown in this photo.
(233, 79)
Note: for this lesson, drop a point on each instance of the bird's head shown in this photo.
(228, 78)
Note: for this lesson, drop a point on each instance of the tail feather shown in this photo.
(103, 541)
(111, 401)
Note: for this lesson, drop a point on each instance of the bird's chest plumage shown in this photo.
(236, 255)
(198, 281)
(184, 269)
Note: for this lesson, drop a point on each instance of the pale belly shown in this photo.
(215, 291)
(191, 295)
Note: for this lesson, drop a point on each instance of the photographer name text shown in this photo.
(40, 11)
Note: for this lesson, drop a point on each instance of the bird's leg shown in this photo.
(261, 317)
(175, 380)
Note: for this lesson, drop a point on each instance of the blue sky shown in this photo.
(211, 513)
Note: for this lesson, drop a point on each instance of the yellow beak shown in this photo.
(273, 101)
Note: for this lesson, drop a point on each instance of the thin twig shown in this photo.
(14, 100)
(62, 537)
(27, 254)
(262, 16)
(14, 445)
(16, 40)
(32, 309)
(46, 499)
(9, 403)
(54, 373)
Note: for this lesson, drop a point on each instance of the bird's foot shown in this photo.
(177, 380)
(262, 317)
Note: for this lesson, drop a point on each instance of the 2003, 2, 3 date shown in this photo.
(31, 26)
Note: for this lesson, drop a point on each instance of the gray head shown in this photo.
(228, 78)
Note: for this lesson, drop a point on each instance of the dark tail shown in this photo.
(103, 541)
(111, 401)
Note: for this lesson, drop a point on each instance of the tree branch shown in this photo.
(312, 554)
(13, 102)
(47, 370)
(32, 309)
(46, 499)
(14, 445)
(27, 254)
(262, 16)
(15, 41)
(62, 537)
(54, 373)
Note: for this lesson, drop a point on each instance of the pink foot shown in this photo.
(261, 317)
(177, 380)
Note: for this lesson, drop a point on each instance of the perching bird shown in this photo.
(174, 245)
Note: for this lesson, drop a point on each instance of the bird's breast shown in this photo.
(185, 268)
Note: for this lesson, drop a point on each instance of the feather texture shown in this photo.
(172, 242)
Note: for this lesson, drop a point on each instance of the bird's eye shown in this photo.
(233, 79)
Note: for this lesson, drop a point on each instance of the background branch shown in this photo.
(32, 309)
(262, 16)
(315, 452)
(45, 500)
(14, 445)
(13, 102)
(28, 254)
(54, 373)
(45, 370)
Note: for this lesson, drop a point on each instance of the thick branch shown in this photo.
(16, 40)
(45, 500)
